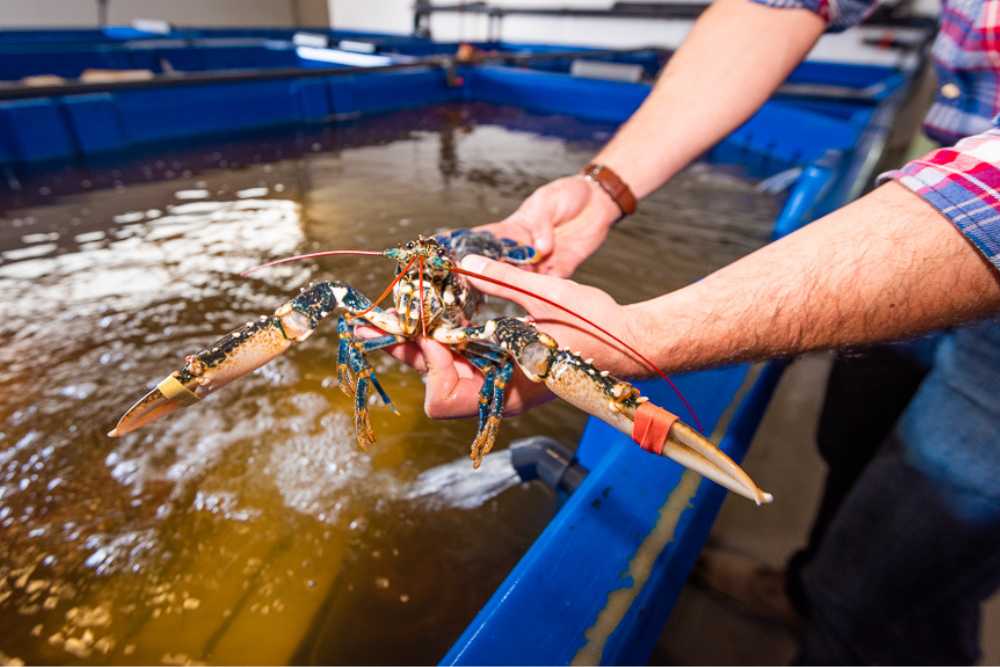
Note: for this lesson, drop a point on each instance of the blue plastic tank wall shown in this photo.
(67, 53)
(70, 62)
(71, 126)
(777, 137)
(59, 127)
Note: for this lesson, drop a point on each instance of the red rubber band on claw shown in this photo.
(651, 426)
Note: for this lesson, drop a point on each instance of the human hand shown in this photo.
(565, 221)
(453, 384)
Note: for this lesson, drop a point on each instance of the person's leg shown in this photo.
(905, 563)
(866, 392)
(901, 574)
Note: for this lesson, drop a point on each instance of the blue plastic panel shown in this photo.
(779, 136)
(35, 130)
(158, 114)
(94, 122)
(383, 91)
(314, 98)
(555, 93)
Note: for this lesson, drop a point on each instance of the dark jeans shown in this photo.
(900, 557)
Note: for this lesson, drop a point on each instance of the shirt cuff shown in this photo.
(838, 14)
(963, 184)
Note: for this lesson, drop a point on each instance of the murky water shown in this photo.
(249, 529)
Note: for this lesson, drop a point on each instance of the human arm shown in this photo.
(720, 75)
(885, 267)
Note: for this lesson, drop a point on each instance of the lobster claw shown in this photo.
(166, 397)
(233, 356)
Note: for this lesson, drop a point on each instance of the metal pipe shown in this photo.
(448, 63)
(639, 10)
(15, 92)
(20, 91)
(102, 13)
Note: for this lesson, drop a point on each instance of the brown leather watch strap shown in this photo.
(611, 183)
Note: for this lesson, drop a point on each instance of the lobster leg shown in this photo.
(249, 347)
(608, 398)
(352, 358)
(345, 333)
(364, 379)
(377, 344)
(486, 391)
(498, 372)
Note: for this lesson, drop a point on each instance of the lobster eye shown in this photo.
(409, 245)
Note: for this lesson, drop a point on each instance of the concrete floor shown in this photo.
(705, 630)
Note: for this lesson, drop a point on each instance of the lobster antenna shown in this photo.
(638, 355)
(386, 291)
(298, 258)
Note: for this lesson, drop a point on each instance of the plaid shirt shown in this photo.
(963, 182)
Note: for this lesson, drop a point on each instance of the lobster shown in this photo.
(433, 297)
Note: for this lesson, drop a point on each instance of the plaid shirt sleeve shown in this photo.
(838, 14)
(963, 183)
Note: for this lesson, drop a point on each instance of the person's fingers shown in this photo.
(543, 237)
(448, 394)
(539, 216)
(410, 354)
(540, 222)
(500, 271)
(453, 385)
(365, 331)
(556, 269)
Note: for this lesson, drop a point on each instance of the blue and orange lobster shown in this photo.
(432, 297)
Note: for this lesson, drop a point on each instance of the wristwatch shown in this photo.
(612, 184)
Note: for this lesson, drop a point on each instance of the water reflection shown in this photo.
(249, 528)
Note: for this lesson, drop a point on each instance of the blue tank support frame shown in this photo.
(600, 581)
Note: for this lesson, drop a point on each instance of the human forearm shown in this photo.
(736, 55)
(885, 267)
(721, 74)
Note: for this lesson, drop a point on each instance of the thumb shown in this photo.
(543, 241)
(488, 270)
(437, 357)
(537, 216)
(441, 378)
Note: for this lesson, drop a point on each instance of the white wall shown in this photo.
(83, 13)
(397, 16)
(378, 15)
